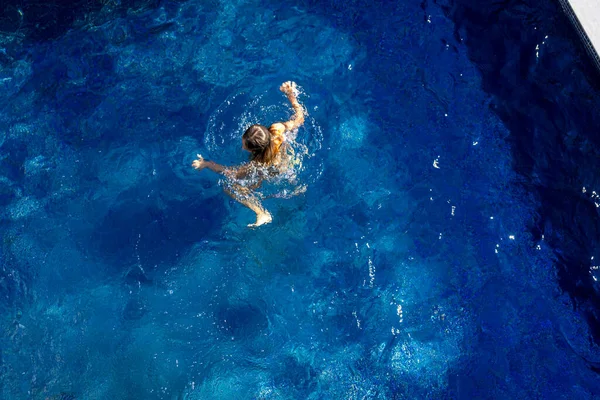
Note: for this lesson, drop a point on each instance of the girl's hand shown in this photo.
(289, 88)
(200, 163)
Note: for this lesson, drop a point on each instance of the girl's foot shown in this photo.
(262, 218)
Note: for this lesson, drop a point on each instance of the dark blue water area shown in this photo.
(443, 249)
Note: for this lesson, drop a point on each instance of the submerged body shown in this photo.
(270, 157)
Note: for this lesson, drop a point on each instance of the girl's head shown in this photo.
(257, 140)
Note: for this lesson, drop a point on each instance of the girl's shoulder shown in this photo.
(277, 129)
(277, 133)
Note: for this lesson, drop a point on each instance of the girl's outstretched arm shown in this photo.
(201, 163)
(230, 172)
(289, 88)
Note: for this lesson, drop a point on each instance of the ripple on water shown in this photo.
(353, 132)
(222, 138)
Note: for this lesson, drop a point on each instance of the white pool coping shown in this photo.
(585, 15)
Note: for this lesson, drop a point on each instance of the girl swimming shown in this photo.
(268, 158)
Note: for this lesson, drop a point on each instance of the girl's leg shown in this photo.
(247, 198)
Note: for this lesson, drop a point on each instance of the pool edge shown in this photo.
(592, 44)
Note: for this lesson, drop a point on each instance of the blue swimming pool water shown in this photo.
(413, 267)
